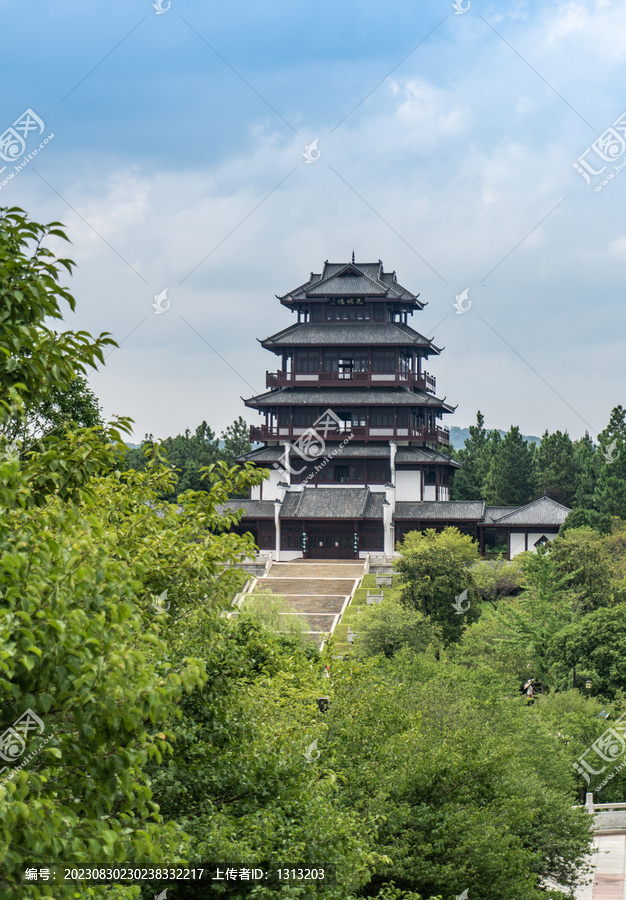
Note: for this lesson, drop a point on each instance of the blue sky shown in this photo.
(447, 142)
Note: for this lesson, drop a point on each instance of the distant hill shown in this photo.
(458, 436)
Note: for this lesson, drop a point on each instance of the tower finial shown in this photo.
(353, 256)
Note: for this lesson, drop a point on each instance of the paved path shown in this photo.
(608, 880)
(609, 876)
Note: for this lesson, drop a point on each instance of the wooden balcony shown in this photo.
(424, 381)
(437, 435)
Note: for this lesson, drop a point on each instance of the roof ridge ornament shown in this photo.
(353, 256)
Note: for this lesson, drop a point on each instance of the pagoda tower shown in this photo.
(351, 419)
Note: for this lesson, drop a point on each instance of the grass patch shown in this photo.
(351, 614)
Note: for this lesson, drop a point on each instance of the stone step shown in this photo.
(309, 586)
(316, 570)
(314, 604)
(320, 622)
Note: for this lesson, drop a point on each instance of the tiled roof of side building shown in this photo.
(355, 396)
(374, 506)
(541, 512)
(495, 512)
(441, 510)
(253, 509)
(327, 503)
(425, 455)
(349, 334)
(405, 455)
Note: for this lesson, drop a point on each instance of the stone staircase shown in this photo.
(318, 590)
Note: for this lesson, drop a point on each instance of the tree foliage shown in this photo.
(388, 627)
(175, 732)
(432, 578)
(462, 546)
(189, 454)
(509, 479)
(38, 365)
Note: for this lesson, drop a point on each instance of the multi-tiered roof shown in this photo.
(352, 351)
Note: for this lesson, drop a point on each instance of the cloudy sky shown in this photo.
(447, 142)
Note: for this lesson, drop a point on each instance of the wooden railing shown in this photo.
(423, 380)
(361, 432)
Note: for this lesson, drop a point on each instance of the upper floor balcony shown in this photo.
(423, 380)
(436, 435)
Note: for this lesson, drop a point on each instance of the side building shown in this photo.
(353, 433)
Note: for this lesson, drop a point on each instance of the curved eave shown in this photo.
(286, 397)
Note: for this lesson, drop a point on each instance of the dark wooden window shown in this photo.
(307, 361)
(382, 419)
(303, 417)
(378, 472)
(430, 477)
(384, 361)
(342, 474)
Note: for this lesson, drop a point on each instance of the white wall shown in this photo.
(516, 543)
(430, 492)
(287, 555)
(408, 485)
(270, 489)
(517, 540)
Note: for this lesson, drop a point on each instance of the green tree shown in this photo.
(431, 752)
(39, 367)
(610, 491)
(580, 555)
(236, 440)
(509, 480)
(586, 464)
(595, 646)
(555, 467)
(249, 777)
(189, 453)
(495, 579)
(462, 546)
(432, 580)
(82, 545)
(468, 481)
(388, 627)
(587, 518)
(514, 638)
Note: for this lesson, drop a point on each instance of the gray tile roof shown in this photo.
(332, 503)
(374, 507)
(352, 279)
(353, 450)
(424, 455)
(255, 509)
(349, 334)
(441, 510)
(348, 396)
(495, 512)
(542, 512)
(350, 286)
(362, 503)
